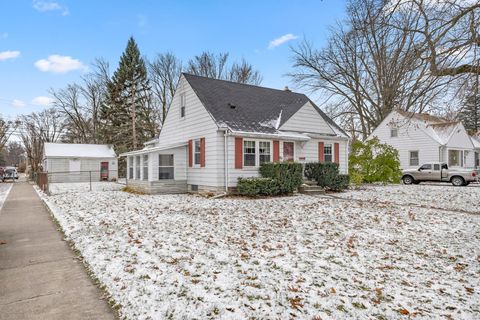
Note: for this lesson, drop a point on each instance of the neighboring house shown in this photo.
(421, 138)
(476, 145)
(66, 162)
(217, 131)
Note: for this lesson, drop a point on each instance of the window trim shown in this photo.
(257, 152)
(325, 145)
(410, 158)
(194, 151)
(172, 166)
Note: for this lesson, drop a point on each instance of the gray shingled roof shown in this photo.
(248, 108)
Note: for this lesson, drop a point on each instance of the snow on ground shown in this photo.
(187, 257)
(59, 188)
(4, 190)
(440, 196)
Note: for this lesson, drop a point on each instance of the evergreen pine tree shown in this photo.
(126, 114)
(470, 114)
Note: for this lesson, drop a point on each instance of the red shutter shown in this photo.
(276, 150)
(238, 153)
(321, 158)
(190, 153)
(336, 152)
(202, 152)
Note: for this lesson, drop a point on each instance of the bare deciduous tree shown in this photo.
(216, 66)
(7, 128)
(164, 73)
(448, 33)
(368, 68)
(38, 128)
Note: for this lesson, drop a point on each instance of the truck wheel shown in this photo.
(407, 180)
(457, 181)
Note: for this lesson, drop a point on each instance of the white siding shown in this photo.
(410, 138)
(308, 150)
(307, 119)
(196, 124)
(59, 169)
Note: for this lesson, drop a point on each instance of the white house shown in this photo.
(68, 162)
(476, 145)
(421, 138)
(217, 131)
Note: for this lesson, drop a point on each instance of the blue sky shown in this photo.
(48, 44)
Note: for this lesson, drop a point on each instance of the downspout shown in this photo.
(225, 159)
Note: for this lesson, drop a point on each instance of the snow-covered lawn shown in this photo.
(441, 196)
(187, 257)
(4, 190)
(58, 188)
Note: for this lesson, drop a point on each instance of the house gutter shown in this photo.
(225, 157)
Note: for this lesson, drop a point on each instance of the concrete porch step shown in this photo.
(311, 189)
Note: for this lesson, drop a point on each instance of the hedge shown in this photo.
(277, 178)
(288, 174)
(257, 187)
(327, 175)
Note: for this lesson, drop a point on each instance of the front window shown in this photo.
(454, 158)
(393, 132)
(145, 167)
(414, 158)
(165, 166)
(137, 168)
(327, 153)
(197, 152)
(264, 151)
(130, 168)
(249, 153)
(436, 167)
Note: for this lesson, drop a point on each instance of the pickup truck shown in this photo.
(437, 171)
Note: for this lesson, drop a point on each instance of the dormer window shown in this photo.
(183, 103)
(393, 132)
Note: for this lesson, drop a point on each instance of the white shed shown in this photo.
(70, 162)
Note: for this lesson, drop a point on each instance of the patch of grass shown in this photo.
(133, 190)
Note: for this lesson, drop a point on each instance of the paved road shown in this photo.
(39, 275)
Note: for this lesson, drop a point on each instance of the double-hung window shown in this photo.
(165, 167)
(196, 152)
(393, 132)
(264, 151)
(130, 167)
(145, 167)
(137, 168)
(327, 152)
(414, 161)
(249, 154)
(183, 104)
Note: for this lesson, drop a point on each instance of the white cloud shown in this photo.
(44, 6)
(42, 101)
(59, 64)
(18, 103)
(281, 40)
(5, 55)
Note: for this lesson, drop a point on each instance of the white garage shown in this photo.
(70, 162)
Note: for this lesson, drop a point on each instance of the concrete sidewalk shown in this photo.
(40, 278)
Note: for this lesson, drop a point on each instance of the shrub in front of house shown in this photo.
(277, 178)
(373, 161)
(289, 175)
(327, 175)
(253, 187)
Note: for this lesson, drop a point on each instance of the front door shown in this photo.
(288, 152)
(104, 171)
